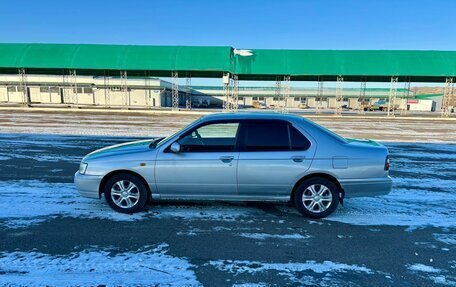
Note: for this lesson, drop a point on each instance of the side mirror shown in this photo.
(175, 147)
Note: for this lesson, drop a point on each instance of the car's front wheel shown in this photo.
(316, 197)
(126, 193)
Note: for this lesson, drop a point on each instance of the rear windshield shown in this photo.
(326, 131)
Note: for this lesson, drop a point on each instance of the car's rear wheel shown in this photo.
(316, 197)
(126, 193)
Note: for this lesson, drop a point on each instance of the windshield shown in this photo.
(165, 139)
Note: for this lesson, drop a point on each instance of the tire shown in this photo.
(126, 193)
(310, 203)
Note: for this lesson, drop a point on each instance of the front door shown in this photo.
(204, 168)
(273, 157)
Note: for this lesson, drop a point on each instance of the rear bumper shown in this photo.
(367, 187)
(87, 185)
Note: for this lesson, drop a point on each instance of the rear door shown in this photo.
(274, 154)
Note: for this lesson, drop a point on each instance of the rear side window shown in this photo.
(298, 140)
(272, 136)
(266, 136)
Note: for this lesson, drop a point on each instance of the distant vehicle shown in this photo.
(381, 105)
(201, 103)
(239, 157)
(259, 105)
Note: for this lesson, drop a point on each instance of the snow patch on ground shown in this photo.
(423, 268)
(402, 207)
(423, 190)
(293, 271)
(264, 236)
(251, 285)
(29, 202)
(151, 267)
(433, 274)
(449, 239)
(202, 212)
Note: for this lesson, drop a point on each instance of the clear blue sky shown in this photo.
(313, 24)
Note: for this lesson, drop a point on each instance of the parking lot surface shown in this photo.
(49, 235)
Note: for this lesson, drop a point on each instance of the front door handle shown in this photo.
(298, 158)
(226, 159)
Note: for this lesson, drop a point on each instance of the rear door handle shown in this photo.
(226, 159)
(298, 158)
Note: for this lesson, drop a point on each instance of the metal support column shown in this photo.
(235, 93)
(362, 97)
(286, 92)
(339, 95)
(23, 87)
(448, 100)
(319, 95)
(406, 96)
(66, 95)
(124, 88)
(392, 97)
(188, 92)
(226, 80)
(278, 93)
(175, 90)
(73, 87)
(147, 90)
(107, 90)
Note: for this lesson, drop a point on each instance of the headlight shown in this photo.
(83, 167)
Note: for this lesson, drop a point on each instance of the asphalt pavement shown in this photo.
(49, 235)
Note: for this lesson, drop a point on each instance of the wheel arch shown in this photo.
(327, 176)
(123, 171)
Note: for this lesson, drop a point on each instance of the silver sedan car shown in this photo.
(239, 157)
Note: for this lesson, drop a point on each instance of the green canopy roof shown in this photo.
(96, 59)
(200, 61)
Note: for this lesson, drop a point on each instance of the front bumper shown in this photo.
(88, 185)
(367, 187)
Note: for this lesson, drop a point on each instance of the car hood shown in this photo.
(125, 148)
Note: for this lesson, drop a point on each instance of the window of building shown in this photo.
(44, 90)
(54, 90)
(261, 98)
(275, 98)
(88, 90)
(255, 98)
(12, 89)
(297, 99)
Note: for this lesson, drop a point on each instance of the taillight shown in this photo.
(387, 163)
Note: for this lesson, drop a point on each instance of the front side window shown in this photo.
(211, 138)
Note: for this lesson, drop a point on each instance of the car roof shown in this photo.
(251, 115)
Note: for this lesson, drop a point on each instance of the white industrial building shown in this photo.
(156, 93)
